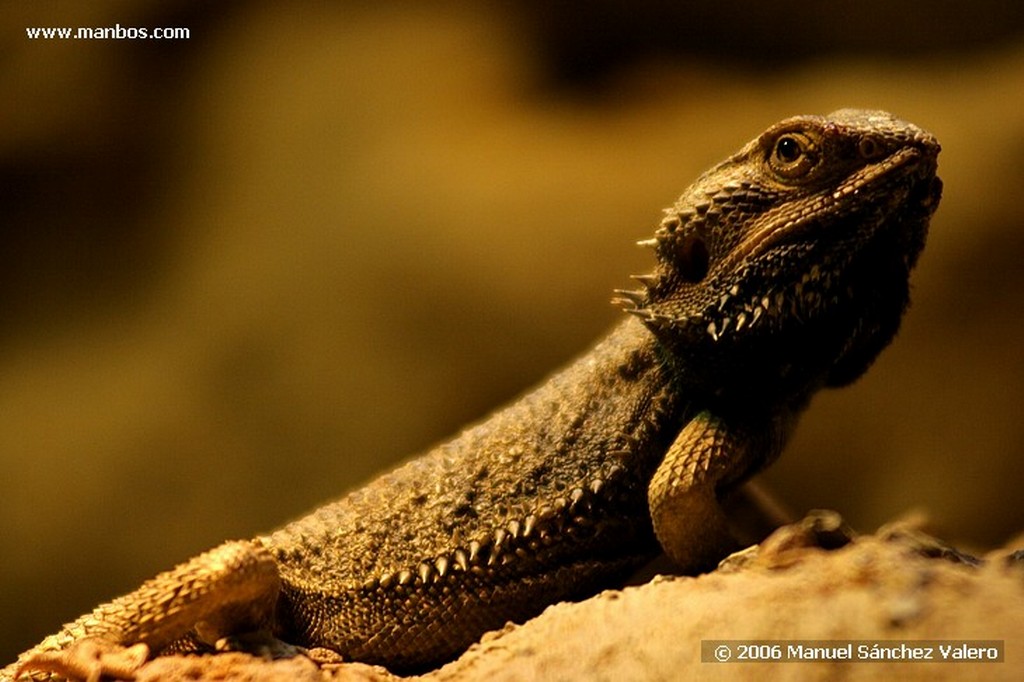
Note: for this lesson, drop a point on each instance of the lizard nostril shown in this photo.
(869, 148)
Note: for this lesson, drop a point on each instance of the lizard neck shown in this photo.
(619, 402)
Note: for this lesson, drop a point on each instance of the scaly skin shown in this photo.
(780, 271)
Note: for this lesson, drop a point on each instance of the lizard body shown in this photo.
(780, 271)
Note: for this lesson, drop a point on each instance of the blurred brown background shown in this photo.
(242, 272)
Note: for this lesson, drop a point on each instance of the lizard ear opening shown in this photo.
(692, 259)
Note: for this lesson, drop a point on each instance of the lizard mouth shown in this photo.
(921, 193)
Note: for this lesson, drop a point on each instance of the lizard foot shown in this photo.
(87, 659)
(258, 643)
(324, 657)
(821, 528)
(264, 645)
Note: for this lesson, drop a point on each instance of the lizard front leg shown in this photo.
(230, 589)
(710, 454)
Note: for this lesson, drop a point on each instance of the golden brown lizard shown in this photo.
(781, 270)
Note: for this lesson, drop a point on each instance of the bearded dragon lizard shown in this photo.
(782, 270)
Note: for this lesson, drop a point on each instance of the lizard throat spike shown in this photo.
(649, 282)
(642, 313)
(637, 298)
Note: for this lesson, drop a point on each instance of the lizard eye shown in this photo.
(787, 150)
(792, 156)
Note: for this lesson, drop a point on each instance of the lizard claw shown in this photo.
(87, 659)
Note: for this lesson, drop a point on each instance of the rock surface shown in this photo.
(813, 580)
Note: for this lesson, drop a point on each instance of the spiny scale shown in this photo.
(517, 540)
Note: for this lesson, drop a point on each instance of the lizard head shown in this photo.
(786, 266)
